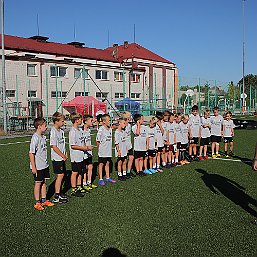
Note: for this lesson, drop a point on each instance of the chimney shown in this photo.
(39, 38)
(115, 51)
(76, 44)
(126, 44)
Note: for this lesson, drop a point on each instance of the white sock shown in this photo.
(176, 160)
(163, 163)
(84, 183)
(154, 166)
(158, 166)
(124, 173)
(217, 152)
(89, 182)
(119, 173)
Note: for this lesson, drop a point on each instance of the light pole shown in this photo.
(243, 62)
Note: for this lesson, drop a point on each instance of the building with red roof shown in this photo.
(41, 75)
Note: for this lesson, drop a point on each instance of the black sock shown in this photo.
(226, 152)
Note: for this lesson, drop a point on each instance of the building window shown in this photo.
(10, 93)
(101, 94)
(57, 71)
(32, 93)
(118, 76)
(81, 94)
(31, 70)
(119, 95)
(101, 74)
(59, 94)
(78, 73)
(135, 77)
(135, 95)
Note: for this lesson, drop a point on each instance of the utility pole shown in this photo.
(243, 64)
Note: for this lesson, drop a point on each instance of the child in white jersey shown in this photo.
(228, 129)
(160, 141)
(184, 127)
(140, 132)
(88, 157)
(77, 148)
(166, 119)
(38, 164)
(171, 141)
(216, 132)
(152, 144)
(104, 143)
(121, 149)
(58, 155)
(205, 135)
(195, 126)
(178, 132)
(130, 158)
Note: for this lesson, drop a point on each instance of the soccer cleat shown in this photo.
(47, 203)
(141, 174)
(231, 153)
(76, 193)
(217, 155)
(121, 178)
(110, 180)
(148, 172)
(152, 171)
(132, 174)
(186, 162)
(128, 176)
(159, 170)
(64, 196)
(59, 199)
(82, 190)
(201, 158)
(92, 186)
(227, 156)
(87, 188)
(101, 182)
(38, 207)
(206, 157)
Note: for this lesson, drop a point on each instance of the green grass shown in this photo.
(168, 214)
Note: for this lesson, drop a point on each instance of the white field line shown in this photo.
(231, 160)
(15, 143)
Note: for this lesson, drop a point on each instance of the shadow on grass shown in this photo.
(230, 189)
(112, 252)
(246, 161)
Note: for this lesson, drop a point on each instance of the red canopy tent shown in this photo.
(84, 105)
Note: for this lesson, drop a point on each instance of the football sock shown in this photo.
(124, 173)
(43, 200)
(226, 152)
(128, 171)
(176, 160)
(89, 182)
(163, 163)
(119, 173)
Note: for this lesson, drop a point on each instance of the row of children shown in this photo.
(161, 144)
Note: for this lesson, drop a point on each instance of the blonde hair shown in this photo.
(185, 116)
(125, 115)
(75, 116)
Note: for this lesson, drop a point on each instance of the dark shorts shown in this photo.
(160, 149)
(59, 167)
(178, 145)
(78, 167)
(104, 160)
(151, 153)
(194, 141)
(88, 161)
(228, 139)
(124, 158)
(139, 154)
(130, 152)
(42, 175)
(183, 146)
(215, 139)
(204, 141)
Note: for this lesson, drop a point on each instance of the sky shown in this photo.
(203, 38)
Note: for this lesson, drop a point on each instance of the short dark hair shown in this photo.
(195, 108)
(216, 108)
(86, 117)
(159, 115)
(75, 116)
(137, 117)
(104, 116)
(166, 113)
(230, 113)
(38, 122)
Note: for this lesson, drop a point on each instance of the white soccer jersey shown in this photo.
(128, 136)
(104, 137)
(184, 132)
(87, 142)
(228, 126)
(216, 125)
(159, 136)
(172, 132)
(57, 139)
(76, 138)
(178, 132)
(164, 125)
(39, 149)
(195, 124)
(152, 138)
(205, 132)
(140, 140)
(120, 139)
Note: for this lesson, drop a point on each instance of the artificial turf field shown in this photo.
(194, 210)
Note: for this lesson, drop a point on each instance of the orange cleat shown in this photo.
(38, 207)
(47, 203)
